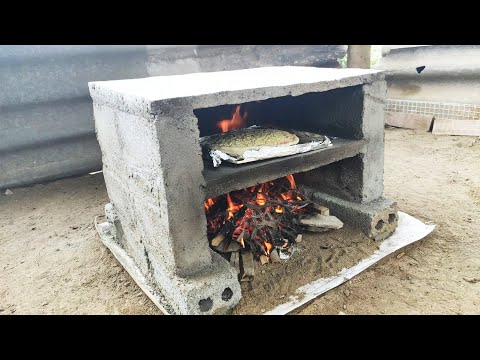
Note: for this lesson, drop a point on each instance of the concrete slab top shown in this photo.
(198, 84)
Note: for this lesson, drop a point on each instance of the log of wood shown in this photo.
(264, 259)
(408, 121)
(235, 261)
(218, 239)
(358, 56)
(322, 210)
(228, 246)
(222, 246)
(233, 246)
(322, 221)
(247, 266)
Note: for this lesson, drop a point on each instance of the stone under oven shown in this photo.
(159, 181)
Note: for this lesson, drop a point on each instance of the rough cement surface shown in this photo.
(203, 294)
(156, 212)
(359, 179)
(165, 93)
(148, 188)
(373, 132)
(183, 188)
(377, 219)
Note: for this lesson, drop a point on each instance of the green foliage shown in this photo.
(343, 61)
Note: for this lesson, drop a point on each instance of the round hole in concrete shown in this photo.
(205, 304)
(227, 294)
(379, 225)
(391, 218)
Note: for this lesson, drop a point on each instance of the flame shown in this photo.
(209, 203)
(232, 208)
(268, 247)
(236, 122)
(292, 181)
(278, 209)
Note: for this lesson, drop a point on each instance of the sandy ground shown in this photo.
(52, 261)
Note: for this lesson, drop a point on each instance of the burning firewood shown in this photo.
(260, 220)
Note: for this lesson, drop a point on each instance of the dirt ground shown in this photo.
(52, 261)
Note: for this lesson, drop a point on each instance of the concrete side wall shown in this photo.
(358, 114)
(47, 128)
(156, 210)
(451, 74)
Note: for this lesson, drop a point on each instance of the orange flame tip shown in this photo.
(237, 121)
(268, 247)
(291, 180)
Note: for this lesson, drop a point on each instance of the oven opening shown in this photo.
(257, 210)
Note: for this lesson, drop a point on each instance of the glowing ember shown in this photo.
(236, 122)
(261, 200)
(259, 218)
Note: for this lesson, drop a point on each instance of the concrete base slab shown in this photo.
(190, 290)
(378, 219)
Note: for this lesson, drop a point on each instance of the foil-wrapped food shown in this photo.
(238, 141)
(254, 143)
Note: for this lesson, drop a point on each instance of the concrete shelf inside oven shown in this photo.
(228, 177)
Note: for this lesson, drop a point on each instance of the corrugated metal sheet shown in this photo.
(433, 74)
(46, 122)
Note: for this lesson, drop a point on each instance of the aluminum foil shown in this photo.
(305, 144)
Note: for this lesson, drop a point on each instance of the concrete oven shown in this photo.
(157, 179)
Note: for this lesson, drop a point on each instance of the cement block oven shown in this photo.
(157, 179)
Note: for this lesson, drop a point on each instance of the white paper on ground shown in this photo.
(408, 231)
